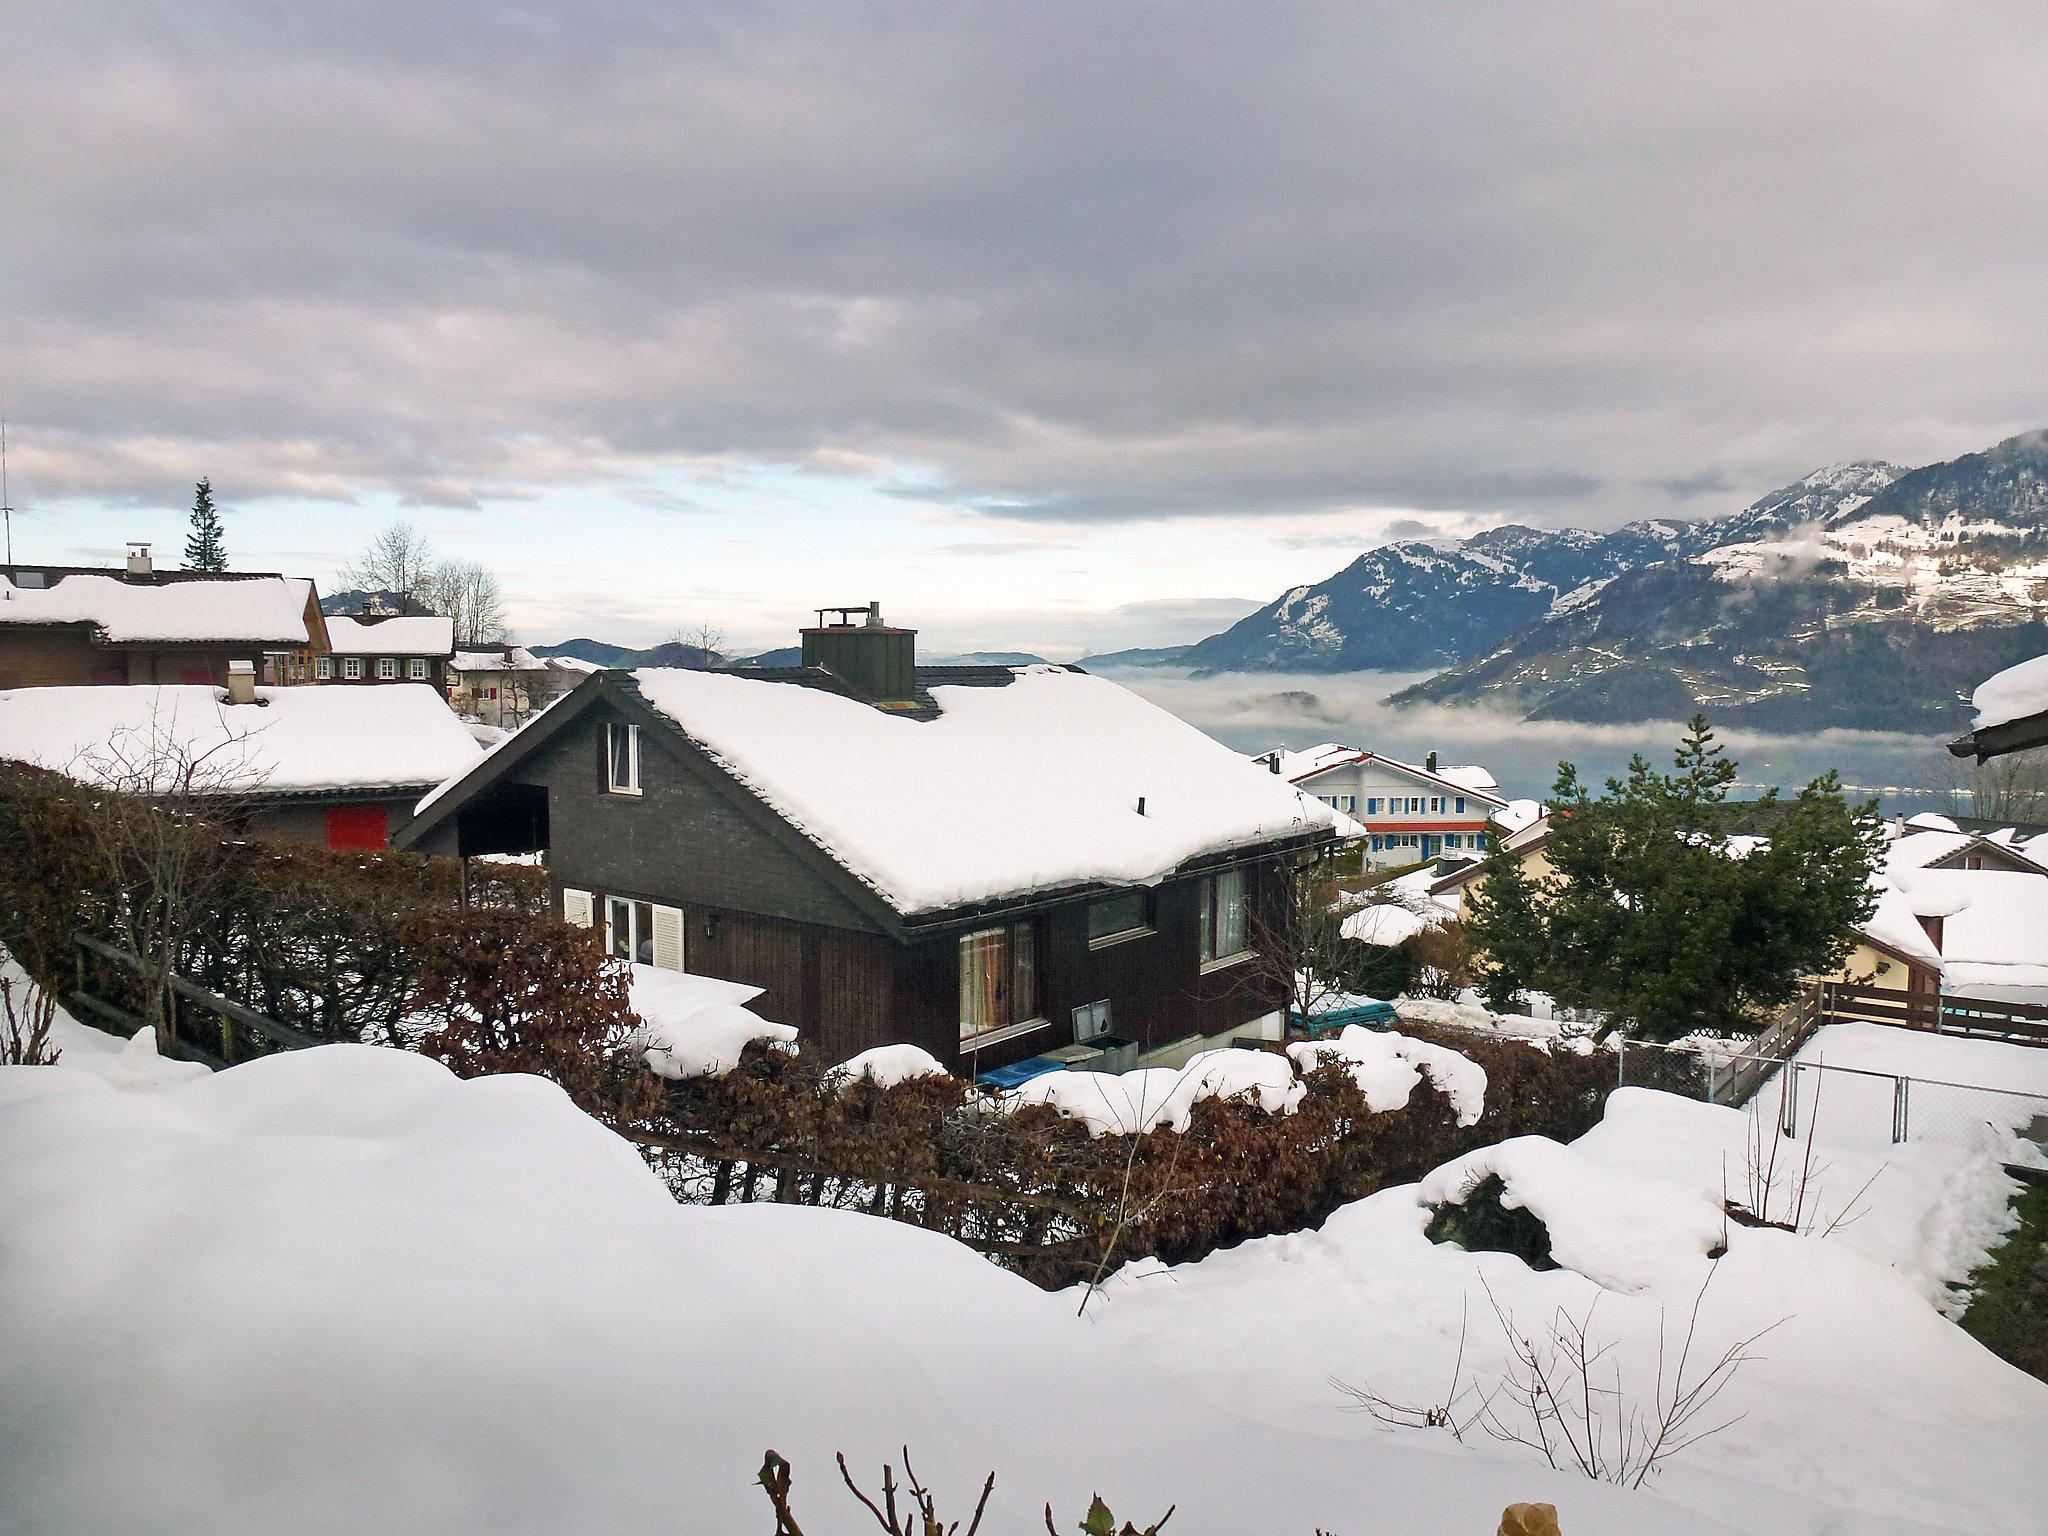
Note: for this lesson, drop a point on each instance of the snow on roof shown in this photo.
(269, 609)
(1989, 916)
(516, 658)
(1470, 776)
(1517, 815)
(2013, 694)
(1310, 761)
(1026, 787)
(291, 740)
(1918, 848)
(409, 635)
(1930, 821)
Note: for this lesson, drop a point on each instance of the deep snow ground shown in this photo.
(341, 1291)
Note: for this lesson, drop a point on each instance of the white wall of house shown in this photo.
(1407, 817)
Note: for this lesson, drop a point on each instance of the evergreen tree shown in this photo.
(206, 545)
(1655, 917)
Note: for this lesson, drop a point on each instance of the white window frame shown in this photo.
(323, 668)
(612, 785)
(352, 669)
(416, 668)
(634, 936)
(387, 669)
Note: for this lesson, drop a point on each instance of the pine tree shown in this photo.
(1654, 917)
(206, 545)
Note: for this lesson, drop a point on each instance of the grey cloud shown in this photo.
(1076, 264)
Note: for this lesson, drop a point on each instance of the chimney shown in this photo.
(876, 660)
(241, 682)
(1273, 762)
(1430, 762)
(140, 566)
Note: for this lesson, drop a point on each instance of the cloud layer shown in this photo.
(1053, 263)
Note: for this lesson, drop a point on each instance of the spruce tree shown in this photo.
(1653, 916)
(206, 545)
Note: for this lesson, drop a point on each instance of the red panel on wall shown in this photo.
(357, 826)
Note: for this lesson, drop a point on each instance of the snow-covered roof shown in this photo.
(1029, 786)
(515, 658)
(1989, 916)
(1311, 761)
(257, 609)
(1517, 815)
(2013, 694)
(407, 635)
(292, 740)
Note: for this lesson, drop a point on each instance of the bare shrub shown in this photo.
(26, 1013)
(917, 1513)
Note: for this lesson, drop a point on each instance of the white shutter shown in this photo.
(668, 938)
(576, 908)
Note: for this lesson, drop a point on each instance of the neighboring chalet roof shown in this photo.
(303, 740)
(2012, 712)
(1299, 767)
(400, 635)
(1935, 850)
(1002, 783)
(511, 658)
(172, 608)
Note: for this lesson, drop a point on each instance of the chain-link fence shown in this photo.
(1845, 1105)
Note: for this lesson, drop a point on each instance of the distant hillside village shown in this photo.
(1014, 867)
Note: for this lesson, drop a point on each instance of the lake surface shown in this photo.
(1252, 712)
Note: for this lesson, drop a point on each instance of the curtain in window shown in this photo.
(1230, 926)
(984, 993)
(1023, 973)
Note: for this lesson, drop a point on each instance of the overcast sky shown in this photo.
(1048, 325)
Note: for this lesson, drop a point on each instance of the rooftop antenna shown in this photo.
(6, 506)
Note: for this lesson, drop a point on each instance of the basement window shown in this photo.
(622, 758)
(1120, 917)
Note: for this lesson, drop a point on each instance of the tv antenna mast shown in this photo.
(6, 506)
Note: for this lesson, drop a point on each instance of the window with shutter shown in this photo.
(668, 938)
(577, 908)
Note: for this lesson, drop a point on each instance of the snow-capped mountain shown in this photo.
(1421, 604)
(1880, 614)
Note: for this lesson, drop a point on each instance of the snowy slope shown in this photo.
(339, 1291)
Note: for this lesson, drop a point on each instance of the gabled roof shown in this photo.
(1929, 849)
(292, 741)
(257, 610)
(1010, 783)
(1299, 767)
(401, 635)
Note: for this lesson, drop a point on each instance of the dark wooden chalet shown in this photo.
(691, 817)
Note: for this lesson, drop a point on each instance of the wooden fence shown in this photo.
(2018, 1023)
(205, 1027)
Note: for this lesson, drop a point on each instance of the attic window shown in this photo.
(622, 758)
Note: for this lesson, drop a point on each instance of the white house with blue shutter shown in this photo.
(1410, 811)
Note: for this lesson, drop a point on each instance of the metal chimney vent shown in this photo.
(139, 563)
(241, 682)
